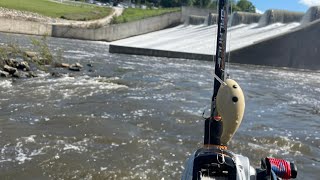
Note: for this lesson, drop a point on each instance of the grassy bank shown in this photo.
(58, 10)
(133, 14)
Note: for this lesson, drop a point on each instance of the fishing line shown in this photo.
(214, 74)
(229, 44)
(220, 80)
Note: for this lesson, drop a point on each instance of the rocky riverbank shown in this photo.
(16, 62)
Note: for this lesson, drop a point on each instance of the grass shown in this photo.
(40, 46)
(133, 14)
(79, 12)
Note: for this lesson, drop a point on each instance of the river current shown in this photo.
(138, 117)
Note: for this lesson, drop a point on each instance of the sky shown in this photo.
(291, 5)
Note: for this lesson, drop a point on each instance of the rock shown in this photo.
(31, 74)
(4, 74)
(31, 54)
(10, 69)
(90, 65)
(56, 74)
(23, 66)
(78, 65)
(11, 62)
(65, 65)
(62, 65)
(73, 67)
(20, 74)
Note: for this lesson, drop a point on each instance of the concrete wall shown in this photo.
(212, 19)
(187, 11)
(118, 31)
(312, 14)
(158, 53)
(24, 27)
(273, 16)
(243, 18)
(197, 20)
(297, 49)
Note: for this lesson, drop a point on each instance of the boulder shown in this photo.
(62, 65)
(31, 74)
(73, 67)
(10, 69)
(78, 65)
(11, 62)
(20, 74)
(31, 54)
(4, 74)
(56, 74)
(23, 66)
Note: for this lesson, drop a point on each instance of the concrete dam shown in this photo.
(276, 38)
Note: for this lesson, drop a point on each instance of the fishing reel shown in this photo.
(275, 169)
(213, 163)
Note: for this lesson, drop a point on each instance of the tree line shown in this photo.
(241, 5)
(236, 5)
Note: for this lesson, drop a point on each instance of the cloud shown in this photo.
(259, 11)
(310, 3)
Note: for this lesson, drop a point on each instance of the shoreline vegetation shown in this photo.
(52, 9)
(134, 14)
(41, 10)
(17, 62)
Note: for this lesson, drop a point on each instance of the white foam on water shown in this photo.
(285, 147)
(139, 98)
(79, 146)
(142, 112)
(78, 54)
(103, 168)
(5, 84)
(21, 153)
(106, 116)
(29, 139)
(72, 147)
(81, 86)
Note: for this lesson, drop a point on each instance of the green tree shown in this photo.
(246, 6)
(170, 3)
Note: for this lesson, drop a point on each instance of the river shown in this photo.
(138, 117)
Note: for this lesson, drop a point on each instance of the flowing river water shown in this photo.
(137, 117)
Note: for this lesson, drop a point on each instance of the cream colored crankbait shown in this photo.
(230, 106)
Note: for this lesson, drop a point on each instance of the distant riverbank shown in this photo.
(83, 12)
(14, 21)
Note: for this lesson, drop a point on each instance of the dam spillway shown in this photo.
(277, 34)
(201, 39)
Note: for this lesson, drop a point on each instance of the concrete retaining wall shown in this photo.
(118, 31)
(197, 20)
(24, 27)
(297, 49)
(243, 18)
(187, 11)
(273, 16)
(212, 19)
(312, 14)
(158, 53)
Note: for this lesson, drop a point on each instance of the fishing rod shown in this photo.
(227, 110)
(213, 124)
